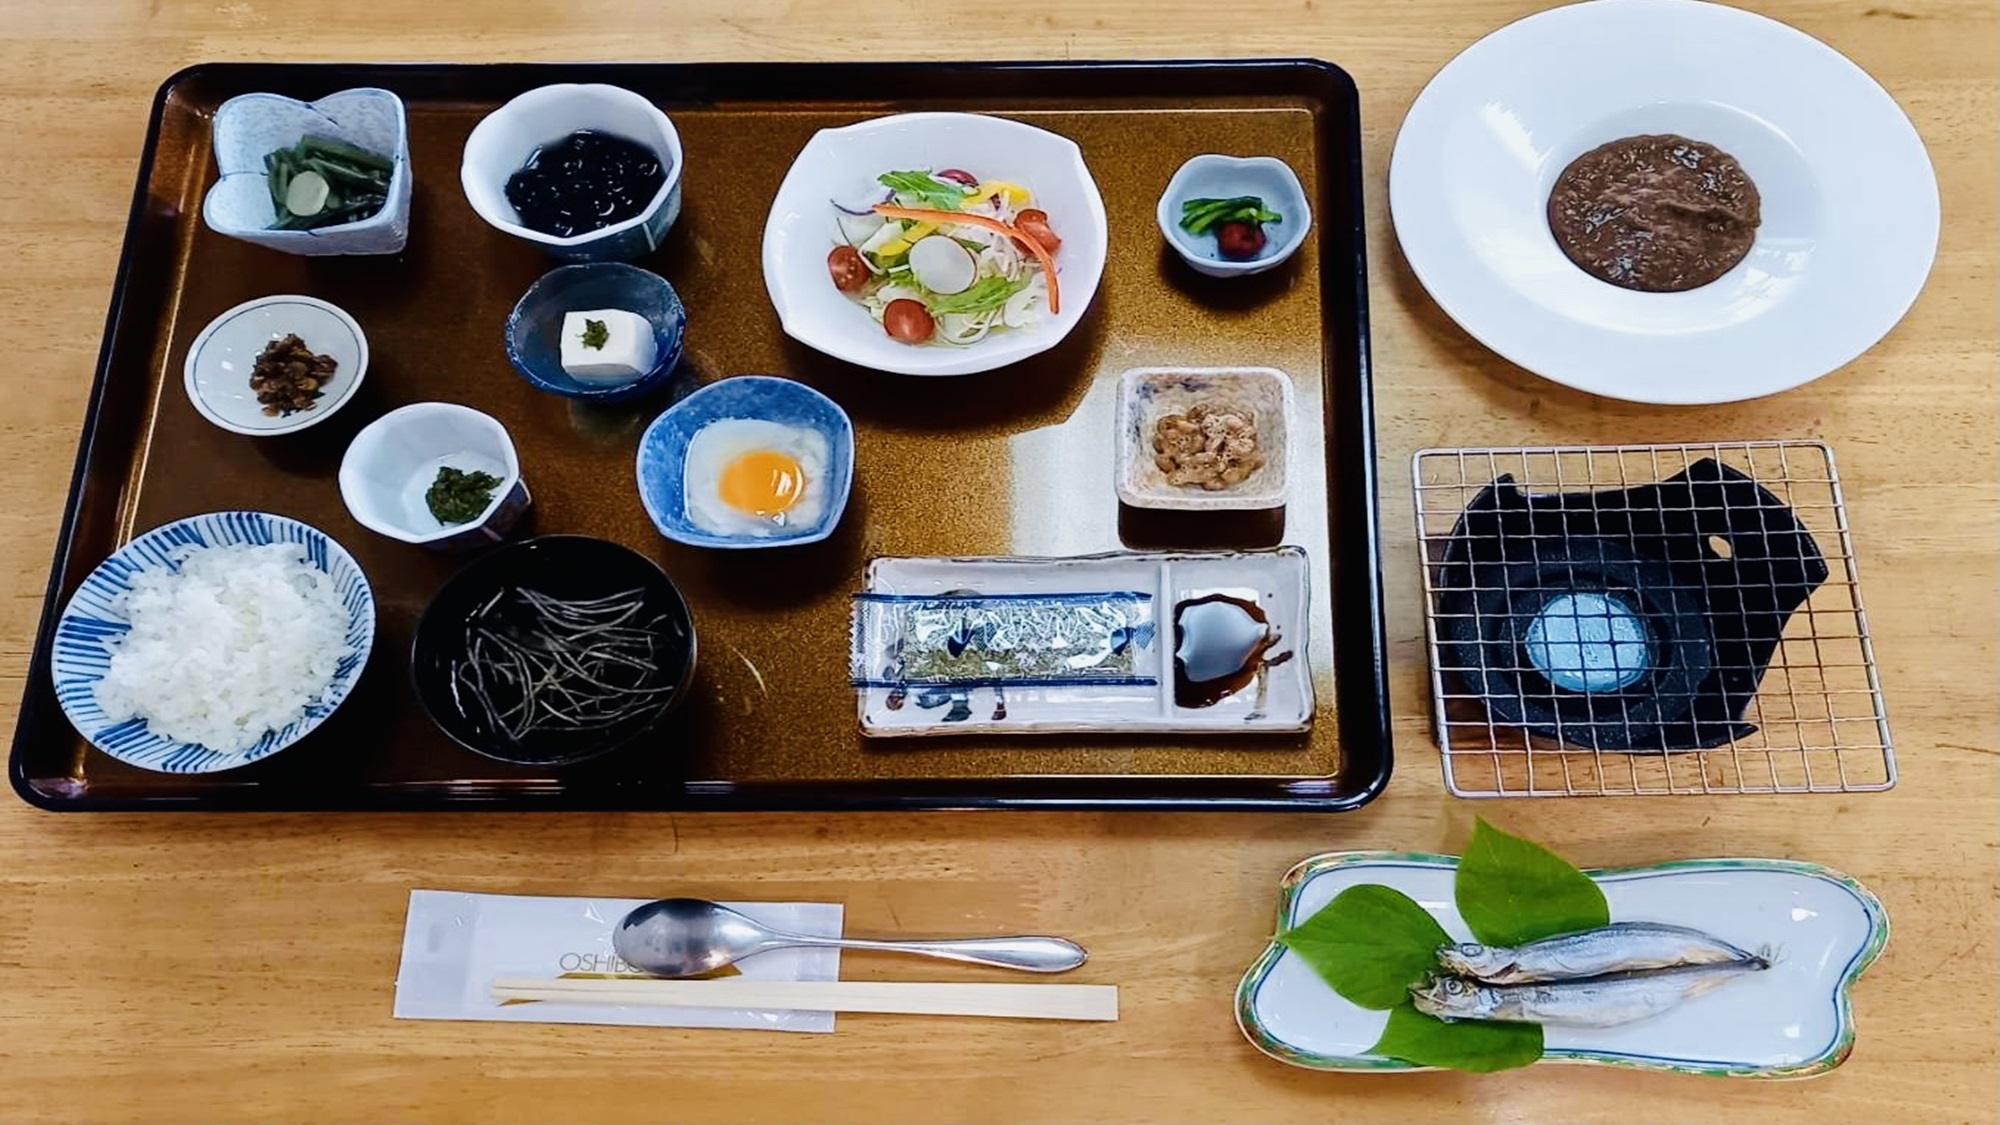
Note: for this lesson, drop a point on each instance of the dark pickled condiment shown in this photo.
(585, 182)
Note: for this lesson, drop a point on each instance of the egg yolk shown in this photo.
(762, 483)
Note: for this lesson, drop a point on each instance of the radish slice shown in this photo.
(942, 266)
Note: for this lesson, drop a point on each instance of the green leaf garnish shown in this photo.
(1475, 1046)
(914, 188)
(596, 334)
(1371, 943)
(1510, 891)
(984, 295)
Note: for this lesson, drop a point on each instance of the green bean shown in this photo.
(358, 181)
(333, 149)
(337, 172)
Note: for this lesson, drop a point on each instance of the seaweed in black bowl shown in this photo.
(553, 651)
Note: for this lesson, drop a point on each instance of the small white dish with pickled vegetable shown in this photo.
(1233, 216)
(313, 178)
(935, 243)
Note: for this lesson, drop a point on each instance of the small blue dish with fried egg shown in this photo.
(745, 462)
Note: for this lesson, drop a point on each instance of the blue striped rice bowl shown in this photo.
(90, 619)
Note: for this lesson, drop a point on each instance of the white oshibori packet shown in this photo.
(455, 944)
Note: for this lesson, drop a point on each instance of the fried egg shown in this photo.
(751, 476)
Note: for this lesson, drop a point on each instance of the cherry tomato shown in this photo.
(908, 321)
(1034, 222)
(958, 176)
(849, 272)
(1239, 241)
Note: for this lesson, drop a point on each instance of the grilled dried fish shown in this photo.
(1606, 1001)
(1620, 947)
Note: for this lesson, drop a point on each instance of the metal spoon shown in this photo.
(686, 937)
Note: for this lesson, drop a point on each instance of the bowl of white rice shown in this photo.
(213, 642)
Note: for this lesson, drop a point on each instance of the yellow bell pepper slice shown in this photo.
(1011, 195)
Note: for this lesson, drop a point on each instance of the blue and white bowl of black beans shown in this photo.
(586, 171)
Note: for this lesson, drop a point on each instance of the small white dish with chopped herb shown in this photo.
(1805, 933)
(437, 474)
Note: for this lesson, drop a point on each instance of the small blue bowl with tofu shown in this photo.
(598, 331)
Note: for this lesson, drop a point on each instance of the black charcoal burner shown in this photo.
(1641, 619)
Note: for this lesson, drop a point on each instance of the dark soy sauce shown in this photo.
(1219, 647)
(585, 182)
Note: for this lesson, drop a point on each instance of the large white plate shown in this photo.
(1850, 203)
(1791, 1021)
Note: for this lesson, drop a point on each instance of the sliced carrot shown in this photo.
(927, 215)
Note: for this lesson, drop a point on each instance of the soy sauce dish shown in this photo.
(553, 651)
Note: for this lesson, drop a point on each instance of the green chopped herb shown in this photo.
(922, 188)
(595, 334)
(984, 295)
(1199, 216)
(457, 496)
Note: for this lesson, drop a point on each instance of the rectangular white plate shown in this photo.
(1279, 700)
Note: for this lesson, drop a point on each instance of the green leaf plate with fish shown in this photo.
(1392, 962)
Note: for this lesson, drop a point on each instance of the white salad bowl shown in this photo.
(802, 229)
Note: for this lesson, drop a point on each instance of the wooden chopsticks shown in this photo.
(1006, 1001)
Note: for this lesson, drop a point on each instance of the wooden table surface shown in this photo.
(226, 968)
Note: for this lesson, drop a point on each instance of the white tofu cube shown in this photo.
(607, 345)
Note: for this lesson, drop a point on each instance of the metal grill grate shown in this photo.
(1817, 712)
